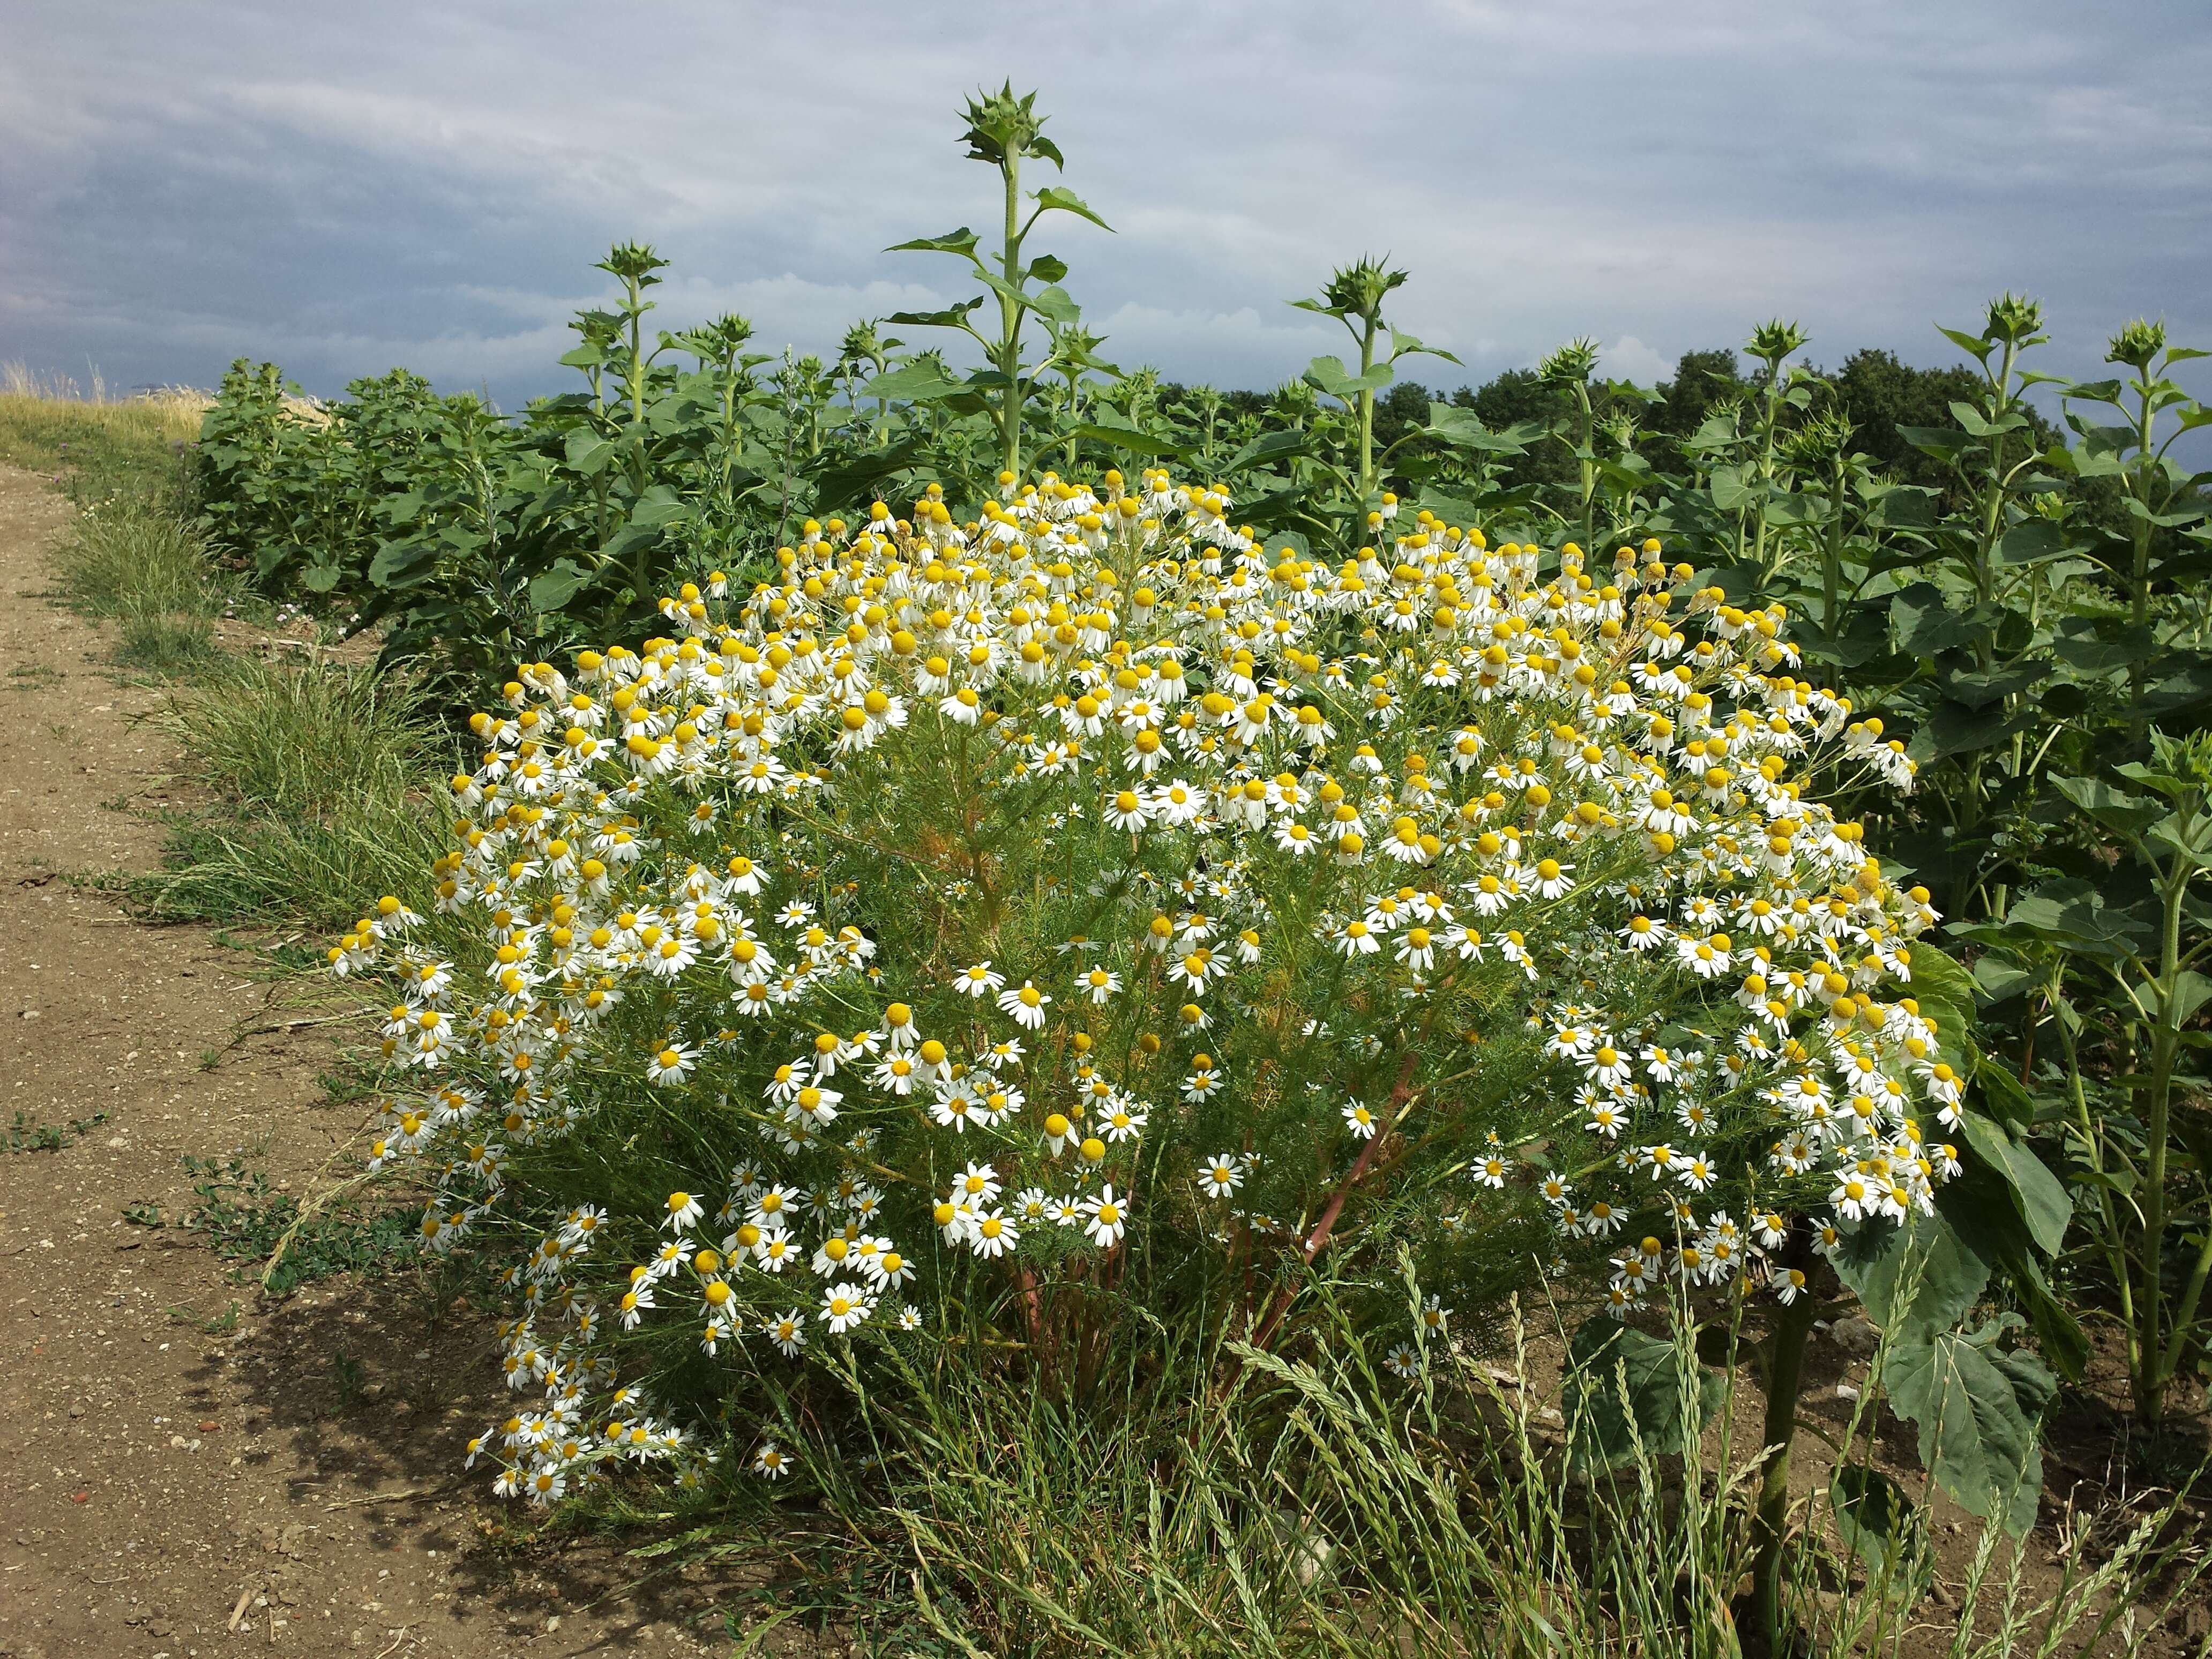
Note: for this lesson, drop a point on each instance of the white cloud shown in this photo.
(1629, 359)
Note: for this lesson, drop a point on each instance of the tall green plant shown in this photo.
(1003, 130)
(1354, 295)
(2161, 494)
(2127, 974)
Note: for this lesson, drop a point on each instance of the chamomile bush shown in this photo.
(988, 939)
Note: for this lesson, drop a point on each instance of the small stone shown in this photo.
(1855, 1335)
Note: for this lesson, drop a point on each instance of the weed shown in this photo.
(347, 1374)
(242, 1221)
(349, 1081)
(26, 1133)
(305, 741)
(135, 557)
(144, 1214)
(221, 1324)
(164, 644)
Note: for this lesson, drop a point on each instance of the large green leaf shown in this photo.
(1403, 344)
(1938, 979)
(962, 241)
(1729, 487)
(557, 586)
(1917, 1279)
(1975, 1409)
(1925, 621)
(2073, 913)
(1066, 201)
(852, 479)
(1904, 507)
(1976, 1202)
(2113, 808)
(658, 506)
(1268, 447)
(1329, 374)
(397, 561)
(952, 317)
(1464, 428)
(1135, 440)
(1979, 691)
(2096, 645)
(1876, 1523)
(1624, 1390)
(1942, 442)
(2041, 1198)
(915, 382)
(2032, 539)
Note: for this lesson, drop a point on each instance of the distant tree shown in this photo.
(1878, 394)
(1701, 379)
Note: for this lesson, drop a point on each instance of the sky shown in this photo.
(342, 190)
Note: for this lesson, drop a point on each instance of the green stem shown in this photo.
(1767, 426)
(1785, 1383)
(2157, 1099)
(1010, 322)
(1832, 557)
(2139, 606)
(1586, 459)
(1367, 415)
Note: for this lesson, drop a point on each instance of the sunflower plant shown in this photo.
(990, 937)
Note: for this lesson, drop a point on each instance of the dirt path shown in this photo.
(185, 1468)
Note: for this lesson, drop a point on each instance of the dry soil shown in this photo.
(186, 1468)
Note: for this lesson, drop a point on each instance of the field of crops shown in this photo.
(1301, 1021)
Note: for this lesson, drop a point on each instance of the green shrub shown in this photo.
(953, 950)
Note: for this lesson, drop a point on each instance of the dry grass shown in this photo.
(48, 425)
(169, 413)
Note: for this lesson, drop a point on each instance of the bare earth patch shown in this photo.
(190, 1469)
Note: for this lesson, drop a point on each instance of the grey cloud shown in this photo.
(428, 184)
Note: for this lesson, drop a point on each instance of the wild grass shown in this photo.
(134, 559)
(133, 555)
(1320, 1506)
(324, 776)
(98, 444)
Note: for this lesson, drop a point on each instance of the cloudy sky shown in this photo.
(343, 189)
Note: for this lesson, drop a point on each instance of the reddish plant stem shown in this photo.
(1033, 1305)
(1400, 1092)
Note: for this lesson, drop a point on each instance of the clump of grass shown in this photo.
(165, 643)
(133, 556)
(137, 556)
(324, 775)
(305, 741)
